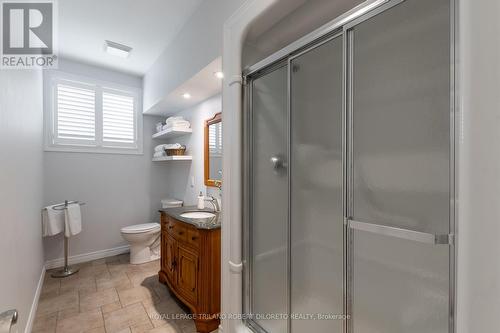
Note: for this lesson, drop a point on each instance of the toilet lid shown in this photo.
(137, 228)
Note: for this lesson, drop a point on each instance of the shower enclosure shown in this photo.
(349, 176)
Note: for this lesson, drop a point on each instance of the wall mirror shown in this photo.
(213, 151)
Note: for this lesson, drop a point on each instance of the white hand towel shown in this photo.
(72, 220)
(52, 221)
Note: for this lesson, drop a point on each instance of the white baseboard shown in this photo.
(34, 305)
(79, 258)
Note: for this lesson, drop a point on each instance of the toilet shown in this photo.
(144, 240)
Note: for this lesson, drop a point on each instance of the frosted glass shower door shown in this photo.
(317, 228)
(401, 151)
(268, 223)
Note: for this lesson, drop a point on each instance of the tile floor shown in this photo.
(107, 296)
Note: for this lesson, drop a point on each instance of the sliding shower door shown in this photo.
(401, 169)
(316, 190)
(267, 258)
(349, 186)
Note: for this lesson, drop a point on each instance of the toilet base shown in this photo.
(141, 255)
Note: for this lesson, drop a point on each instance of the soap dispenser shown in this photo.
(201, 201)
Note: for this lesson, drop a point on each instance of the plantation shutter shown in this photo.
(118, 119)
(76, 117)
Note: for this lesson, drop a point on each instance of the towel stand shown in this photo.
(66, 270)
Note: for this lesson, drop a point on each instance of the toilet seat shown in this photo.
(140, 228)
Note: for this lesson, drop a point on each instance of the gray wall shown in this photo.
(21, 181)
(180, 174)
(196, 45)
(119, 190)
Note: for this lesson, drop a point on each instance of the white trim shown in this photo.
(94, 150)
(235, 30)
(34, 305)
(79, 258)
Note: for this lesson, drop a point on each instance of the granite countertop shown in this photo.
(208, 223)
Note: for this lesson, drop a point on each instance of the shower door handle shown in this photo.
(278, 163)
(422, 237)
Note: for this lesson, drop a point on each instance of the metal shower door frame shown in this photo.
(448, 239)
(342, 26)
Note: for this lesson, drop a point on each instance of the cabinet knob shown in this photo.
(181, 232)
(194, 238)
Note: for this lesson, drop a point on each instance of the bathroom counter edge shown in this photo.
(211, 223)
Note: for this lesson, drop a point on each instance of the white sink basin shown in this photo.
(197, 215)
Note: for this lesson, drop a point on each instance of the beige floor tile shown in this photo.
(111, 307)
(86, 284)
(58, 302)
(167, 328)
(96, 330)
(97, 299)
(125, 258)
(118, 268)
(78, 303)
(131, 316)
(161, 290)
(81, 322)
(137, 278)
(119, 282)
(50, 288)
(167, 311)
(187, 326)
(137, 294)
(96, 271)
(152, 266)
(98, 261)
(68, 312)
(45, 324)
(141, 328)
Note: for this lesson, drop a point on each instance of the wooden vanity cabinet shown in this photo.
(190, 267)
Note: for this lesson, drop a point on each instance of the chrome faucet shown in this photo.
(214, 203)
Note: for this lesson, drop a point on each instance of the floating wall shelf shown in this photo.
(172, 133)
(173, 158)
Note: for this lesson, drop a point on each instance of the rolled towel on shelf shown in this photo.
(173, 146)
(171, 120)
(160, 148)
(159, 154)
(177, 126)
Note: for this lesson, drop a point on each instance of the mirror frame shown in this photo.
(217, 118)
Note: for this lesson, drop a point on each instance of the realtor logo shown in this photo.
(28, 34)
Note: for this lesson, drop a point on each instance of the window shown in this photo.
(89, 116)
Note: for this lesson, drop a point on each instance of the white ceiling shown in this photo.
(147, 26)
(201, 86)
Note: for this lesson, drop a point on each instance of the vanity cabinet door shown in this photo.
(188, 273)
(169, 257)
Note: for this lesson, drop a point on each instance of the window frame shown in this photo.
(53, 143)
